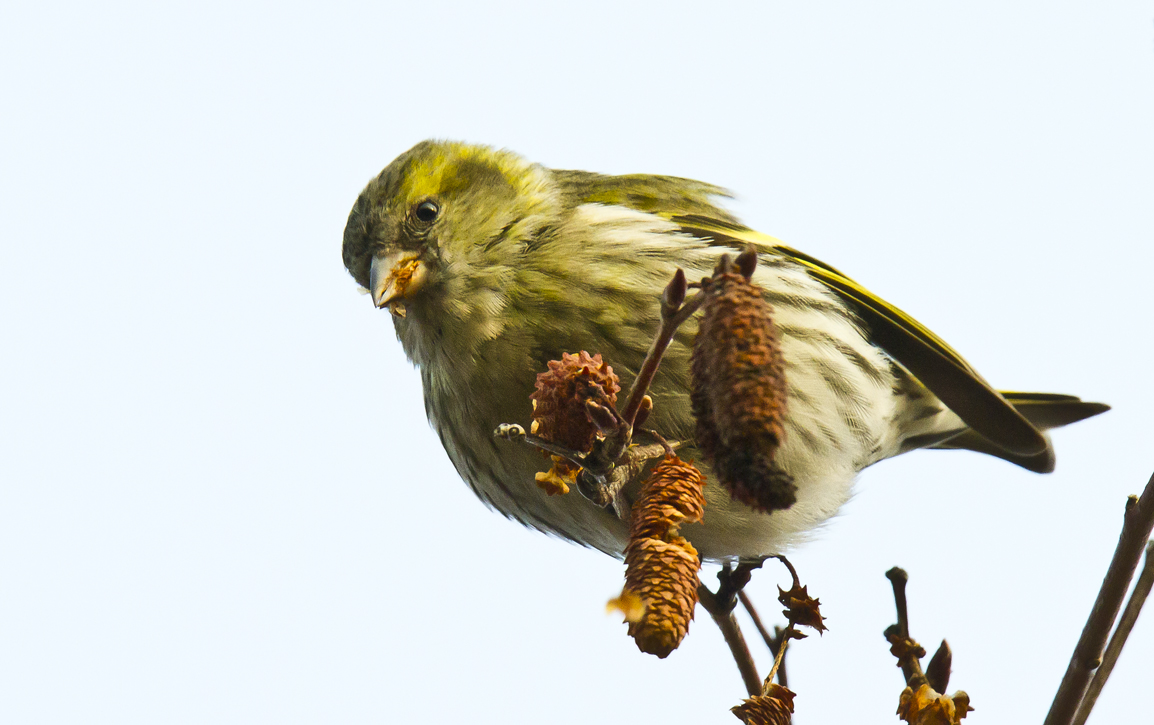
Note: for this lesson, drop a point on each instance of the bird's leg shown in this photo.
(514, 432)
(616, 431)
(732, 580)
(608, 489)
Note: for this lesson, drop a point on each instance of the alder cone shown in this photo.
(660, 566)
(775, 707)
(670, 496)
(763, 711)
(664, 575)
(738, 394)
(559, 413)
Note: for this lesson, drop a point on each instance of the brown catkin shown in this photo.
(738, 394)
(660, 566)
(559, 413)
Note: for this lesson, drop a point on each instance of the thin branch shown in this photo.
(748, 604)
(899, 578)
(1118, 639)
(598, 478)
(782, 643)
(792, 571)
(779, 661)
(730, 630)
(608, 451)
(1138, 522)
(673, 313)
(776, 642)
(905, 648)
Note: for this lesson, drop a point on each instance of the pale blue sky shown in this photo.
(219, 498)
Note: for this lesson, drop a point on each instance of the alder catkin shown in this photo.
(661, 566)
(739, 391)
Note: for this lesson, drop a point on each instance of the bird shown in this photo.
(493, 265)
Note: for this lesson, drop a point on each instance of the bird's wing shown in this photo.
(934, 363)
(664, 196)
(690, 205)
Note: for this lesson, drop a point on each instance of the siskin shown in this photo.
(493, 265)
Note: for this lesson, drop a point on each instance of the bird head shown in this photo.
(441, 228)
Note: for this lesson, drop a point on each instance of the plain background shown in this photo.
(220, 501)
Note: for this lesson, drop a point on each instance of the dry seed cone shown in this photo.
(738, 393)
(559, 412)
(775, 707)
(661, 566)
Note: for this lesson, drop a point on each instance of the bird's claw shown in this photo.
(510, 432)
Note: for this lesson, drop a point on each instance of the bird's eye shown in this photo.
(427, 211)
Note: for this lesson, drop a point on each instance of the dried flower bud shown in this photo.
(660, 566)
(775, 707)
(926, 707)
(556, 480)
(801, 608)
(938, 670)
(739, 389)
(559, 411)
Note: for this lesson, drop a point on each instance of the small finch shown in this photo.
(492, 266)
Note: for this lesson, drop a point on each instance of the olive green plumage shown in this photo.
(493, 265)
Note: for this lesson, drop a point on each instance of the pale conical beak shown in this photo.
(395, 277)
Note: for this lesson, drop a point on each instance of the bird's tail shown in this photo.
(1045, 411)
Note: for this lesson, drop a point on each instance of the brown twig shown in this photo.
(1118, 639)
(673, 313)
(800, 609)
(779, 660)
(598, 467)
(899, 578)
(781, 641)
(598, 479)
(908, 652)
(730, 630)
(792, 571)
(776, 642)
(1136, 527)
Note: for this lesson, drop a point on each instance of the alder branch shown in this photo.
(776, 642)
(905, 648)
(1118, 639)
(1136, 527)
(731, 631)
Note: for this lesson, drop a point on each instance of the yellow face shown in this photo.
(437, 204)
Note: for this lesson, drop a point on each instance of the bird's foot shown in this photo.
(731, 580)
